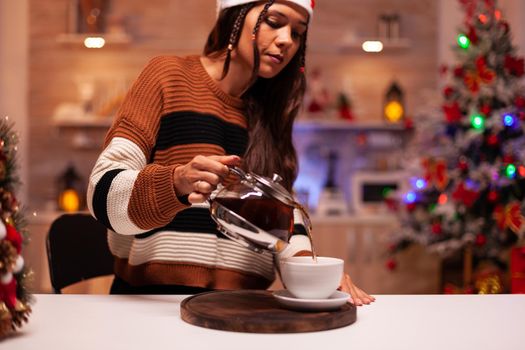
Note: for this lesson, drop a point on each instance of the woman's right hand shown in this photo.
(200, 177)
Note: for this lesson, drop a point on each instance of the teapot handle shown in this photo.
(238, 171)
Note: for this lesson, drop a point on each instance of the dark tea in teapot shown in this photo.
(268, 214)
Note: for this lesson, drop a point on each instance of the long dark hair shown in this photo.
(271, 104)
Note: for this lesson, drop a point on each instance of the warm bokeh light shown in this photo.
(463, 41)
(478, 122)
(94, 42)
(393, 111)
(372, 46)
(442, 199)
(69, 201)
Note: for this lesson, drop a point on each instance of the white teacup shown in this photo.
(307, 279)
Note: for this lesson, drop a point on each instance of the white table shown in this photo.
(421, 322)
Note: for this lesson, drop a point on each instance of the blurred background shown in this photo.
(376, 70)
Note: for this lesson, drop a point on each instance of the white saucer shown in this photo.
(334, 302)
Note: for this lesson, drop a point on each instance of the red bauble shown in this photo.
(452, 112)
(463, 165)
(391, 264)
(493, 196)
(515, 66)
(481, 239)
(437, 229)
(459, 72)
(520, 102)
(508, 158)
(448, 91)
(485, 109)
(492, 140)
(14, 237)
(409, 124)
(411, 207)
(346, 113)
(472, 35)
(8, 293)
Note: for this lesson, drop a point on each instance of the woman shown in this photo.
(184, 121)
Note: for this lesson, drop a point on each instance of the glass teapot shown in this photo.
(256, 212)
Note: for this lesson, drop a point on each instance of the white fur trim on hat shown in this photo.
(308, 5)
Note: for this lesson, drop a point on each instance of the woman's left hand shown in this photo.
(357, 296)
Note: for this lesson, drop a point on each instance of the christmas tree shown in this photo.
(14, 297)
(468, 189)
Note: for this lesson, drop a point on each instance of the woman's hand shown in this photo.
(200, 177)
(357, 296)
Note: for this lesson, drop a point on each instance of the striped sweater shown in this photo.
(173, 112)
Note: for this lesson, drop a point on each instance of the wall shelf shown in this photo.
(328, 125)
(355, 45)
(83, 122)
(78, 39)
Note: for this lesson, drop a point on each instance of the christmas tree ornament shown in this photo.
(485, 110)
(520, 102)
(8, 257)
(474, 158)
(478, 122)
(14, 297)
(14, 237)
(517, 270)
(463, 41)
(3, 230)
(18, 264)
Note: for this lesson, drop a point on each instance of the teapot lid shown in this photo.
(271, 187)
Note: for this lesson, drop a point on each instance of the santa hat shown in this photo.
(308, 5)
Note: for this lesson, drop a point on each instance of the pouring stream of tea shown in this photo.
(308, 229)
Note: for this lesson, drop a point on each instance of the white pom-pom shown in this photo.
(6, 279)
(19, 264)
(3, 231)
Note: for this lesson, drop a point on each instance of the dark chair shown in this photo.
(77, 249)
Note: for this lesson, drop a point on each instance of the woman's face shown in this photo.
(278, 39)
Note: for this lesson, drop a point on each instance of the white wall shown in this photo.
(514, 11)
(14, 34)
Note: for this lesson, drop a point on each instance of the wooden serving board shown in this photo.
(257, 311)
